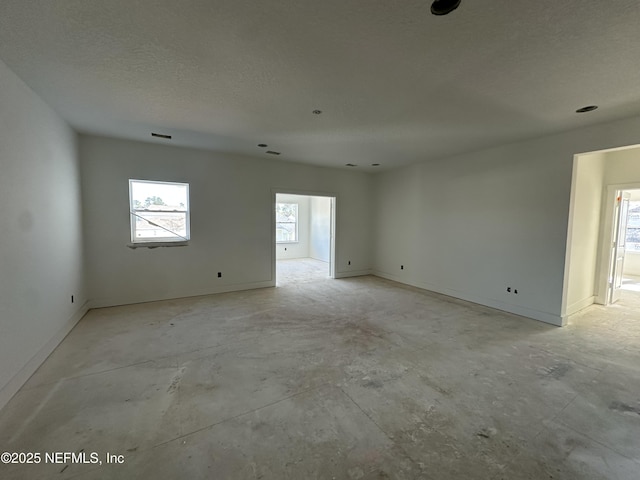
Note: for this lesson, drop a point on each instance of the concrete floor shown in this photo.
(358, 378)
(300, 270)
(631, 283)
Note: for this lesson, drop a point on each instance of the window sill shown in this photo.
(133, 246)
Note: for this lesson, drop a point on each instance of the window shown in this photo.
(633, 227)
(286, 222)
(159, 211)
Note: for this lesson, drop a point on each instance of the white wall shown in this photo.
(471, 225)
(320, 247)
(584, 230)
(300, 249)
(622, 166)
(231, 219)
(41, 253)
(632, 264)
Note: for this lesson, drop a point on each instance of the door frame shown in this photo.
(607, 236)
(332, 234)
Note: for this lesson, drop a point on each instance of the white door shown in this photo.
(618, 245)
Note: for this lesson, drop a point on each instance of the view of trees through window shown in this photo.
(633, 227)
(159, 211)
(286, 222)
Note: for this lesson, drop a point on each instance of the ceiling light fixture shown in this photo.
(160, 135)
(444, 7)
(588, 108)
(317, 112)
(263, 145)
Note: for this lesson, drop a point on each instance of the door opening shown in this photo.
(304, 239)
(624, 263)
(602, 257)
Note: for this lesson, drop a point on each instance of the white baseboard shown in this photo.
(576, 307)
(541, 316)
(115, 301)
(357, 273)
(19, 379)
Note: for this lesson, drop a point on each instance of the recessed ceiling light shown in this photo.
(160, 135)
(317, 112)
(589, 108)
(351, 165)
(263, 145)
(444, 7)
(375, 164)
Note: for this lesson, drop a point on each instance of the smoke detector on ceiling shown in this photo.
(444, 7)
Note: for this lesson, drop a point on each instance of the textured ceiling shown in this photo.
(396, 84)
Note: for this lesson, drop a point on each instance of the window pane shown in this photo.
(159, 196)
(286, 222)
(286, 232)
(159, 211)
(160, 225)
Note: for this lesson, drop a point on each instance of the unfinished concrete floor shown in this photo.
(300, 270)
(335, 379)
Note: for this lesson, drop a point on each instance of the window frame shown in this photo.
(297, 222)
(158, 241)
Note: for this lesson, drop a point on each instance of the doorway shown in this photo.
(304, 240)
(624, 263)
(602, 249)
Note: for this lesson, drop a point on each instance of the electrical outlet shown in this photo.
(219, 274)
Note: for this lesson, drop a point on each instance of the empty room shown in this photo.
(319, 240)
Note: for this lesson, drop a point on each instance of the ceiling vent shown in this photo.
(444, 7)
(160, 135)
(589, 108)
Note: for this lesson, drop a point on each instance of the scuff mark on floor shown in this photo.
(175, 382)
(486, 432)
(556, 371)
(372, 383)
(624, 408)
